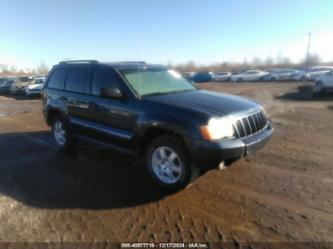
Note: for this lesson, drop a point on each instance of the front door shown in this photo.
(112, 120)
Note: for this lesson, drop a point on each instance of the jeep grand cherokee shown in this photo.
(151, 113)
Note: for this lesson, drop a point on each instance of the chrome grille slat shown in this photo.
(248, 121)
(260, 120)
(247, 125)
(254, 123)
(241, 120)
(235, 127)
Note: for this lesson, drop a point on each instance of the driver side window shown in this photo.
(104, 77)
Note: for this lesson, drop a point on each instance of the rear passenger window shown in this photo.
(104, 78)
(57, 79)
(75, 81)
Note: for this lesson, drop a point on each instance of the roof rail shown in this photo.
(141, 62)
(78, 61)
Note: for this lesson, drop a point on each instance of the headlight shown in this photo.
(217, 128)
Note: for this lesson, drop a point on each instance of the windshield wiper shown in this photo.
(161, 93)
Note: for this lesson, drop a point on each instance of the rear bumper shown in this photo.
(210, 154)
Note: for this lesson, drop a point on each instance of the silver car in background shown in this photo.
(284, 74)
(312, 73)
(249, 75)
(323, 83)
(222, 76)
(35, 86)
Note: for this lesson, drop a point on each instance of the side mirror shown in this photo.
(112, 93)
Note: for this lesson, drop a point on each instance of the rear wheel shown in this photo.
(61, 134)
(169, 164)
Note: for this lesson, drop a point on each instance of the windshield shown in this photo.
(24, 79)
(151, 81)
(39, 81)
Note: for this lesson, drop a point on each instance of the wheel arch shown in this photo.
(51, 113)
(154, 132)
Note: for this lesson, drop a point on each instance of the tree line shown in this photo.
(192, 66)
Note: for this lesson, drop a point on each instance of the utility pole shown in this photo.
(308, 49)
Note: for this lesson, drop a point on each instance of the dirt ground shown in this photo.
(282, 193)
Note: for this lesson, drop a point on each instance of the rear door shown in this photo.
(252, 75)
(76, 91)
(284, 74)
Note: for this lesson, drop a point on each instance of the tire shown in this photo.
(320, 89)
(169, 174)
(240, 80)
(62, 134)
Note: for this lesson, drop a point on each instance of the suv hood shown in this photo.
(212, 103)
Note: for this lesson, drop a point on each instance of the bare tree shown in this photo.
(312, 60)
(42, 68)
(4, 68)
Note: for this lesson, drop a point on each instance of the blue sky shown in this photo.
(160, 31)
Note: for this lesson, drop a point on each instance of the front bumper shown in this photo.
(32, 92)
(209, 154)
(17, 90)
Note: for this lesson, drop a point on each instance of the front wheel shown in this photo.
(169, 164)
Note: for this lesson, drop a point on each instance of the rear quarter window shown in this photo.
(57, 79)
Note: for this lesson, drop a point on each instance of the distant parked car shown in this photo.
(222, 76)
(311, 73)
(36, 86)
(324, 83)
(249, 75)
(268, 77)
(5, 84)
(203, 77)
(20, 84)
(188, 75)
(282, 74)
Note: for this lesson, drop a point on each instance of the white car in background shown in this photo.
(36, 86)
(249, 75)
(282, 74)
(312, 73)
(324, 83)
(222, 76)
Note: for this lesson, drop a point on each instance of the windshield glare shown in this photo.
(150, 81)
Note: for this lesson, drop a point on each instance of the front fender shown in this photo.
(181, 126)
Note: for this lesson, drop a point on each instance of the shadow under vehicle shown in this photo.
(89, 178)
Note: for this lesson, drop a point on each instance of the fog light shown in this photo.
(222, 165)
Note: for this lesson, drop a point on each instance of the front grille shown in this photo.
(250, 124)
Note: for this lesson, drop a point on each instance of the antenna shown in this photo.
(308, 49)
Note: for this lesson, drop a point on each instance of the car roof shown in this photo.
(328, 67)
(116, 65)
